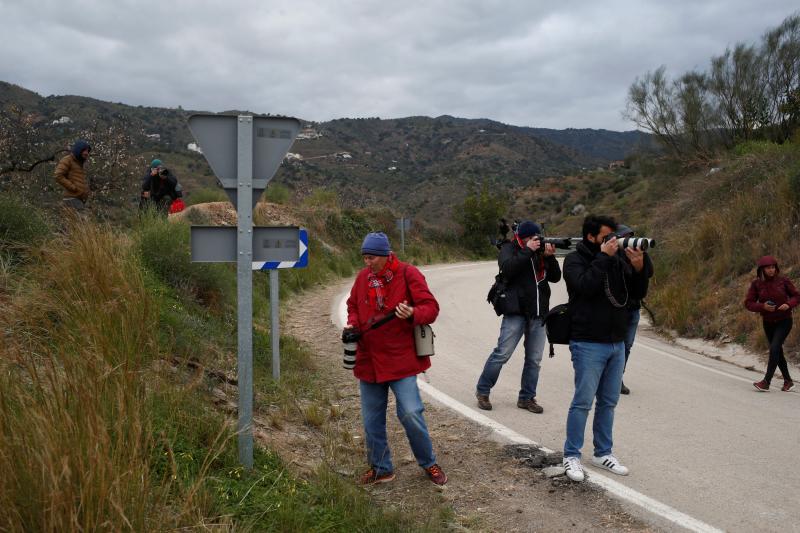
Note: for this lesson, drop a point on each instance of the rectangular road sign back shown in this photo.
(217, 244)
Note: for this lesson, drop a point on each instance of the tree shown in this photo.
(478, 216)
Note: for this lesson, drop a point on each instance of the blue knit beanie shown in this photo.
(376, 244)
(155, 163)
(528, 228)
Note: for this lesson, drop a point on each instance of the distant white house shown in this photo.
(62, 120)
(308, 133)
(290, 156)
(392, 168)
(153, 136)
(344, 155)
(194, 148)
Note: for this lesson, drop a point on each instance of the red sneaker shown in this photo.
(787, 385)
(371, 477)
(436, 475)
(761, 386)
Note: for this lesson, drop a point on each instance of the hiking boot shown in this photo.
(531, 405)
(787, 385)
(610, 463)
(372, 477)
(761, 386)
(573, 468)
(436, 475)
(483, 401)
(624, 389)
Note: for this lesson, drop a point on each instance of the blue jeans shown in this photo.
(630, 335)
(512, 329)
(598, 373)
(374, 400)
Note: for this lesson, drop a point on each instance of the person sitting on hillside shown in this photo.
(162, 190)
(71, 175)
(774, 296)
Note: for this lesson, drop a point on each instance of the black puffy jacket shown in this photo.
(516, 267)
(593, 280)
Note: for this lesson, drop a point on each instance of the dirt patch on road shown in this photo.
(492, 487)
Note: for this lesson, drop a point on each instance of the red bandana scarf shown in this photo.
(539, 272)
(377, 282)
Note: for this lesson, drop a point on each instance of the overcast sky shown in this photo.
(554, 64)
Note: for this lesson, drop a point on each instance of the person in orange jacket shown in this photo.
(71, 175)
(386, 357)
(773, 296)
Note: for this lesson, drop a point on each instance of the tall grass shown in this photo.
(76, 440)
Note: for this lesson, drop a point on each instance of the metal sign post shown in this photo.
(404, 224)
(244, 287)
(245, 152)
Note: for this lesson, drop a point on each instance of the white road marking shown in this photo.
(643, 344)
(614, 487)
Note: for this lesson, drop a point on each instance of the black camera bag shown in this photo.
(504, 300)
(557, 325)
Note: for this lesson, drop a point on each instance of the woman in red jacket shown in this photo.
(774, 296)
(386, 357)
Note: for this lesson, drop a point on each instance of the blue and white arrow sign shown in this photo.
(302, 262)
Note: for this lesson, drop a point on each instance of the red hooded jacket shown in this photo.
(779, 290)
(387, 353)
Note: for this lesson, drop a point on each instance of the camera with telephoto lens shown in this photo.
(635, 243)
(558, 242)
(350, 338)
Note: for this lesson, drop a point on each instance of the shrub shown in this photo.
(21, 225)
(277, 193)
(206, 195)
(165, 251)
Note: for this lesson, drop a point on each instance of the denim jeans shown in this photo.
(512, 329)
(598, 373)
(630, 335)
(374, 401)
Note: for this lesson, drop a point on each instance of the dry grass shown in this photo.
(718, 226)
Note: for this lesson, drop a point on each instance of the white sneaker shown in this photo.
(610, 463)
(573, 468)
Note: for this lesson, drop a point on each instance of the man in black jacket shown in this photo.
(160, 187)
(528, 267)
(600, 284)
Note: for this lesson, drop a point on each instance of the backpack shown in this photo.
(557, 324)
(503, 300)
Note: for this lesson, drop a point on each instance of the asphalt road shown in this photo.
(694, 432)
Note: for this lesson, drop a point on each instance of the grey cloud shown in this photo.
(560, 65)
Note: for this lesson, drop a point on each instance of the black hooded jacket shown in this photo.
(600, 287)
(516, 267)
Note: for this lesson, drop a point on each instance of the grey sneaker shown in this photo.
(483, 401)
(531, 405)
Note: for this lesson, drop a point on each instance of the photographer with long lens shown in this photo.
(634, 304)
(600, 284)
(527, 266)
(161, 190)
(386, 357)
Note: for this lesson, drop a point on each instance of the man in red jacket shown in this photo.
(386, 357)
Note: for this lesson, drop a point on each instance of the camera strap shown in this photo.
(381, 321)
